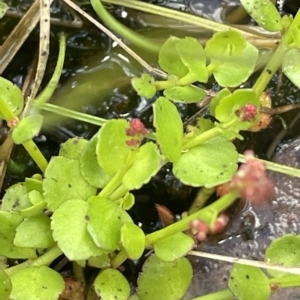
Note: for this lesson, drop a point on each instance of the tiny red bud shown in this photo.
(247, 112)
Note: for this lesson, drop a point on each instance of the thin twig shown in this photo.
(248, 262)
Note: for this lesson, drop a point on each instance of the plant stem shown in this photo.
(204, 214)
(286, 281)
(220, 295)
(275, 167)
(72, 114)
(201, 138)
(78, 272)
(44, 260)
(36, 154)
(119, 259)
(47, 93)
(123, 31)
(269, 71)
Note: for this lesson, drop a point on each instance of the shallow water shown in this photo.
(279, 216)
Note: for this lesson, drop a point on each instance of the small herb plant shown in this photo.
(78, 206)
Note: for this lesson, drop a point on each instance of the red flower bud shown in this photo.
(247, 112)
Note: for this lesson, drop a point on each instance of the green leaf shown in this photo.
(100, 262)
(234, 70)
(127, 201)
(146, 164)
(209, 164)
(73, 148)
(193, 57)
(169, 128)
(291, 65)
(248, 283)
(225, 44)
(284, 251)
(15, 198)
(36, 283)
(112, 149)
(105, 219)
(34, 210)
(164, 280)
(111, 284)
(12, 96)
(216, 100)
(133, 240)
(90, 169)
(173, 247)
(63, 181)
(264, 13)
(34, 232)
(33, 184)
(70, 232)
(27, 129)
(9, 222)
(226, 110)
(169, 60)
(5, 285)
(3, 9)
(144, 86)
(185, 94)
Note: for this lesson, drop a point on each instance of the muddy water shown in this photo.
(253, 229)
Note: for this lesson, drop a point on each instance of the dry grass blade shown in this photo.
(248, 262)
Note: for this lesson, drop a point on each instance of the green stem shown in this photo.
(119, 259)
(6, 111)
(286, 281)
(189, 78)
(36, 154)
(116, 181)
(164, 84)
(44, 260)
(72, 114)
(123, 31)
(201, 138)
(220, 295)
(275, 167)
(47, 93)
(204, 214)
(118, 193)
(78, 272)
(269, 71)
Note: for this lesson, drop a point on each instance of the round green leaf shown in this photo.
(90, 169)
(185, 94)
(209, 164)
(284, 251)
(73, 148)
(248, 283)
(264, 13)
(169, 60)
(33, 184)
(145, 86)
(5, 285)
(9, 222)
(226, 110)
(193, 57)
(105, 219)
(291, 65)
(3, 9)
(111, 284)
(36, 209)
(12, 96)
(216, 100)
(36, 283)
(146, 164)
(63, 181)
(100, 262)
(164, 280)
(15, 198)
(169, 128)
(70, 232)
(133, 240)
(34, 232)
(27, 129)
(127, 201)
(112, 149)
(173, 247)
(234, 70)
